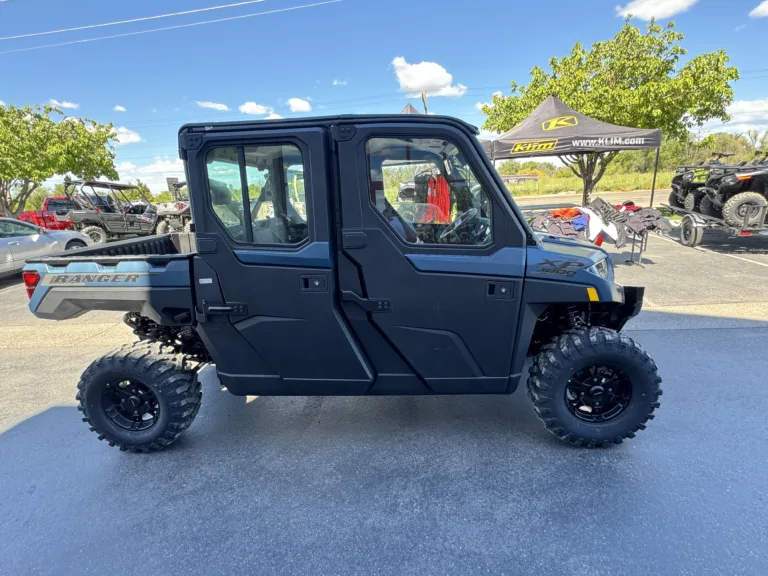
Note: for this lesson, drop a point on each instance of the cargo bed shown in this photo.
(151, 276)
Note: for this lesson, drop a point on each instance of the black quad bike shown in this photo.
(346, 297)
(691, 177)
(737, 194)
(103, 211)
(724, 191)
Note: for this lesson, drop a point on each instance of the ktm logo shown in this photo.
(534, 146)
(560, 122)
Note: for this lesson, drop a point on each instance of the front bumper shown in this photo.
(633, 303)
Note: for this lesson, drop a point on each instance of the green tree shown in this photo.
(34, 146)
(36, 199)
(140, 193)
(164, 196)
(635, 79)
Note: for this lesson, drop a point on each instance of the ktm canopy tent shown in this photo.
(555, 129)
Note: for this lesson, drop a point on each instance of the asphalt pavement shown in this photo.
(433, 485)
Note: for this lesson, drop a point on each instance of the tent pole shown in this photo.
(655, 172)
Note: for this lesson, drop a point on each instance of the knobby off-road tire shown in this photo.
(96, 233)
(577, 350)
(692, 201)
(188, 226)
(708, 208)
(162, 227)
(734, 208)
(674, 200)
(155, 368)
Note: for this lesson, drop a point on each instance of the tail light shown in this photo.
(31, 280)
(180, 206)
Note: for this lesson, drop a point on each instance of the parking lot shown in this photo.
(404, 485)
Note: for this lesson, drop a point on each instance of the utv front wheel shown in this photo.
(594, 387)
(140, 397)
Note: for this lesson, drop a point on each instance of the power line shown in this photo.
(143, 19)
(172, 27)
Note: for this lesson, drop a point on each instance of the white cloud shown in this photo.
(760, 11)
(425, 76)
(119, 108)
(488, 135)
(154, 174)
(64, 104)
(154, 109)
(479, 105)
(253, 108)
(740, 27)
(273, 116)
(339, 82)
(647, 9)
(2, 103)
(126, 136)
(299, 105)
(745, 115)
(213, 106)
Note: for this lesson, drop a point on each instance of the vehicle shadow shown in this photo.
(724, 243)
(10, 281)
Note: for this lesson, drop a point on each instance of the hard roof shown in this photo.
(330, 121)
(113, 185)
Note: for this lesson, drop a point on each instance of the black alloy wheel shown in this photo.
(598, 393)
(130, 405)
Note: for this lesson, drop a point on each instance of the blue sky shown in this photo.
(352, 56)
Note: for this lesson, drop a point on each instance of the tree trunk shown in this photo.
(12, 205)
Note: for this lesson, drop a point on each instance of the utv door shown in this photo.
(266, 291)
(431, 283)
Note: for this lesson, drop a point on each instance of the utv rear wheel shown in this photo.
(594, 387)
(140, 397)
(162, 227)
(96, 233)
(741, 206)
(188, 226)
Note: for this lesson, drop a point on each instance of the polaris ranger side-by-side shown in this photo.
(333, 292)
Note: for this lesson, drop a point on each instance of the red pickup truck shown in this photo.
(46, 218)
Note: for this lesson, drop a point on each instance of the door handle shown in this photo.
(369, 305)
(13, 243)
(500, 290)
(234, 309)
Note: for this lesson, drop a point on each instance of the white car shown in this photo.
(21, 240)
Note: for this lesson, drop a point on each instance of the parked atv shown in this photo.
(735, 193)
(174, 216)
(691, 177)
(103, 211)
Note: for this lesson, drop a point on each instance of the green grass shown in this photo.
(608, 183)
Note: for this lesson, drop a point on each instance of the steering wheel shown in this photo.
(461, 220)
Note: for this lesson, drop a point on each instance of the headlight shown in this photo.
(688, 176)
(604, 269)
(728, 180)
